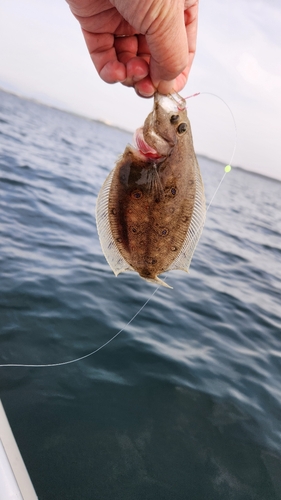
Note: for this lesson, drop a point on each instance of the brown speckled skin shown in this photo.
(151, 201)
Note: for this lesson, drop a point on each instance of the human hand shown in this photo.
(145, 44)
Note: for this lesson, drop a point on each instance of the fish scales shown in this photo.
(153, 202)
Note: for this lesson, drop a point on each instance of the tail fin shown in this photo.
(157, 281)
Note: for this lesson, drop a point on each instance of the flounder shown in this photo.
(151, 208)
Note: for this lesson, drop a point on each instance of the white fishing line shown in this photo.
(228, 167)
(90, 353)
(63, 363)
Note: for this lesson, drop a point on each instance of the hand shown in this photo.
(145, 44)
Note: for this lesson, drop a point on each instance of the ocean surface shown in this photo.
(185, 403)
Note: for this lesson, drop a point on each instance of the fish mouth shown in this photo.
(171, 102)
(144, 148)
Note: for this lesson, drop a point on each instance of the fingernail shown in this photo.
(143, 94)
(145, 88)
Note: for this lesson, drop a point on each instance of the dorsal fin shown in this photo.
(114, 258)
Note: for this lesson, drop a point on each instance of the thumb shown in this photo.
(168, 45)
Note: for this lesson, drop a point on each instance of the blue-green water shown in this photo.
(185, 403)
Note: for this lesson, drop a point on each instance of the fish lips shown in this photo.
(163, 150)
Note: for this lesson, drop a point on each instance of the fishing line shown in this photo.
(90, 353)
(227, 169)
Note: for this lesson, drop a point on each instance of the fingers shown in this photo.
(172, 44)
(191, 24)
(125, 60)
(169, 52)
(103, 54)
(159, 60)
(138, 69)
(127, 52)
(145, 87)
(175, 85)
(117, 60)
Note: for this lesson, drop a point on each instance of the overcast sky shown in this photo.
(43, 56)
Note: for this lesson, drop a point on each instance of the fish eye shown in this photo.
(174, 118)
(182, 128)
(137, 194)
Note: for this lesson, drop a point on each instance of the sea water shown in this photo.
(185, 404)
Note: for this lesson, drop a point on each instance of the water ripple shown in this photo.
(207, 351)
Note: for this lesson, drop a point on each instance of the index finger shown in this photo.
(103, 54)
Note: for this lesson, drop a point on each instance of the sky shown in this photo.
(237, 70)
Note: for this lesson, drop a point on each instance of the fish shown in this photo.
(151, 208)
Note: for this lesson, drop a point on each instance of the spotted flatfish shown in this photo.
(151, 208)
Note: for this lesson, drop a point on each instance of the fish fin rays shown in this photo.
(183, 259)
(157, 281)
(113, 256)
(151, 179)
(156, 185)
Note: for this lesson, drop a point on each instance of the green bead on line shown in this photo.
(227, 168)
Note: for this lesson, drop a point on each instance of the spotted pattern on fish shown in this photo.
(151, 210)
